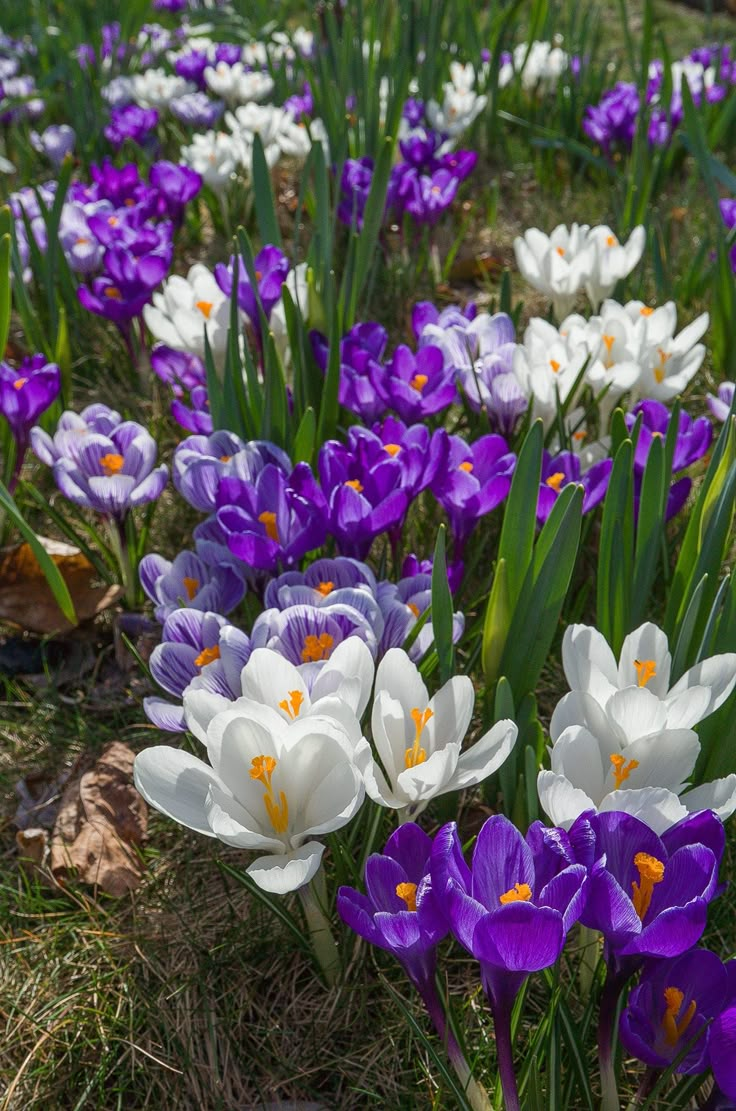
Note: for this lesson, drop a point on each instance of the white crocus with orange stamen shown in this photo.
(622, 739)
(547, 366)
(671, 361)
(558, 265)
(419, 739)
(613, 260)
(617, 346)
(185, 307)
(215, 155)
(339, 692)
(272, 789)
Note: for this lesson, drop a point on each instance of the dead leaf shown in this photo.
(101, 822)
(33, 846)
(40, 798)
(25, 596)
(475, 267)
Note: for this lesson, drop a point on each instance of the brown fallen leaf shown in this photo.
(39, 799)
(476, 267)
(33, 847)
(102, 821)
(26, 599)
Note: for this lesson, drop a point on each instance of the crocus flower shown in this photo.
(565, 467)
(270, 790)
(71, 430)
(403, 605)
(274, 520)
(510, 910)
(129, 121)
(215, 156)
(474, 480)
(189, 583)
(558, 265)
(723, 1053)
(55, 142)
(419, 738)
(613, 261)
(355, 185)
(418, 452)
(270, 684)
(120, 294)
(177, 186)
(196, 416)
(363, 501)
(26, 392)
(197, 110)
(112, 473)
(417, 385)
(720, 405)
(310, 634)
(692, 442)
(324, 582)
(647, 895)
(186, 308)
(361, 366)
(200, 462)
(673, 1004)
(271, 267)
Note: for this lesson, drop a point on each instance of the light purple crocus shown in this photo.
(55, 142)
(325, 582)
(189, 583)
(309, 634)
(720, 405)
(201, 461)
(112, 473)
(196, 110)
(403, 604)
(71, 430)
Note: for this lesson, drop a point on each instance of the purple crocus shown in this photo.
(361, 354)
(195, 643)
(363, 502)
(189, 583)
(177, 186)
(355, 185)
(417, 451)
(673, 1005)
(112, 473)
(191, 66)
(121, 292)
(274, 521)
(309, 634)
(194, 417)
(325, 582)
(55, 142)
(472, 480)
(177, 368)
(559, 470)
(25, 393)
(417, 386)
(271, 267)
(196, 110)
(728, 213)
(71, 430)
(130, 121)
(720, 405)
(512, 910)
(723, 1055)
(201, 461)
(692, 442)
(403, 605)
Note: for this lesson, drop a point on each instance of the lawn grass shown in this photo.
(189, 995)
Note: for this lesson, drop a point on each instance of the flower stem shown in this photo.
(119, 545)
(606, 1024)
(476, 1094)
(505, 1054)
(323, 943)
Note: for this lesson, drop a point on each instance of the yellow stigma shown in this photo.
(611, 241)
(646, 311)
(519, 893)
(560, 251)
(292, 705)
(622, 770)
(408, 892)
(278, 812)
(113, 293)
(413, 607)
(191, 586)
(555, 481)
(608, 342)
(356, 484)
(467, 466)
(555, 366)
(645, 671)
(113, 221)
(325, 588)
(317, 647)
(268, 520)
(205, 307)
(19, 383)
(418, 382)
(416, 754)
(392, 449)
(111, 463)
(225, 458)
(651, 872)
(673, 1030)
(659, 371)
(207, 655)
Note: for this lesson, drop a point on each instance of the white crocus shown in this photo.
(270, 790)
(547, 366)
(419, 738)
(236, 84)
(613, 261)
(557, 265)
(616, 344)
(340, 690)
(215, 156)
(156, 89)
(461, 104)
(186, 307)
(278, 132)
(671, 361)
(540, 65)
(623, 738)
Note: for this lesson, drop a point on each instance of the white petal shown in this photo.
(485, 756)
(688, 707)
(400, 678)
(648, 642)
(718, 673)
(720, 796)
(580, 708)
(665, 759)
(351, 659)
(236, 826)
(287, 872)
(656, 806)
(589, 662)
(391, 733)
(201, 706)
(176, 783)
(426, 780)
(561, 802)
(452, 709)
(636, 712)
(271, 679)
(579, 756)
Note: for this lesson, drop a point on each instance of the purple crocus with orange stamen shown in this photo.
(71, 430)
(25, 393)
(361, 367)
(693, 440)
(341, 581)
(129, 281)
(201, 461)
(720, 404)
(471, 480)
(673, 1005)
(112, 473)
(271, 267)
(416, 385)
(273, 521)
(512, 910)
(363, 502)
(559, 470)
(195, 643)
(177, 185)
(189, 583)
(403, 605)
(418, 452)
(306, 634)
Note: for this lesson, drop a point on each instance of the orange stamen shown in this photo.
(555, 481)
(268, 520)
(622, 770)
(317, 647)
(519, 893)
(191, 586)
(292, 705)
(408, 892)
(416, 754)
(651, 872)
(205, 307)
(645, 671)
(418, 382)
(208, 656)
(111, 463)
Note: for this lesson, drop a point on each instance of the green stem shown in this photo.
(606, 1031)
(323, 943)
(119, 545)
(590, 952)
